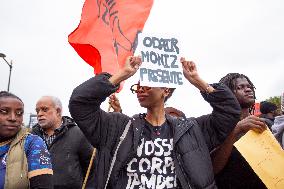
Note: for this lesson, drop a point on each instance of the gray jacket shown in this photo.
(278, 129)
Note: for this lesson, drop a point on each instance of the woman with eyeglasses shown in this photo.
(152, 150)
(24, 159)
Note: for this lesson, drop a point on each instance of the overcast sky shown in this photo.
(222, 36)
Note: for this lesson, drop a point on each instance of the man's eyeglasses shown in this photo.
(136, 87)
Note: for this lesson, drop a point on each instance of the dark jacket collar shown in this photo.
(178, 125)
(67, 123)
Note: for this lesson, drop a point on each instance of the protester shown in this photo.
(268, 112)
(233, 171)
(70, 151)
(278, 126)
(131, 153)
(24, 159)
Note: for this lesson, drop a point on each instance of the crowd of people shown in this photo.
(157, 149)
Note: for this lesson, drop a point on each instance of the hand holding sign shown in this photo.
(250, 123)
(189, 70)
(131, 66)
(191, 74)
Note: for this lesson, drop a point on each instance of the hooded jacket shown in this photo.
(70, 154)
(192, 138)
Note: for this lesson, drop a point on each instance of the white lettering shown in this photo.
(160, 150)
(149, 148)
(156, 165)
(169, 162)
(146, 162)
(168, 145)
(129, 169)
(140, 148)
(153, 167)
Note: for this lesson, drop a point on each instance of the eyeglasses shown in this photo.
(136, 87)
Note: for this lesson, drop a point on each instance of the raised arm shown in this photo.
(226, 110)
(84, 105)
(191, 74)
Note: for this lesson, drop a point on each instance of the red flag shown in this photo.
(257, 109)
(107, 32)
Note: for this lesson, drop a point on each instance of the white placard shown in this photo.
(161, 65)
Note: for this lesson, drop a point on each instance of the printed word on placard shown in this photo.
(161, 66)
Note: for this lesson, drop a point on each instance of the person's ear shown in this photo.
(167, 91)
(59, 111)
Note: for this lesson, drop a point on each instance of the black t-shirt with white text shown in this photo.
(152, 167)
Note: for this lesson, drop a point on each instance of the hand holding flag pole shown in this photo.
(114, 103)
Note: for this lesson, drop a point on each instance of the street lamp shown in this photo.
(10, 66)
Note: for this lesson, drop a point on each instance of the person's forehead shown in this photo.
(11, 102)
(241, 81)
(45, 101)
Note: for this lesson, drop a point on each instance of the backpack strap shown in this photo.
(121, 139)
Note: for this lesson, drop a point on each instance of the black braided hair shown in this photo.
(6, 94)
(230, 81)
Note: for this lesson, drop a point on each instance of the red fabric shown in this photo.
(107, 32)
(257, 109)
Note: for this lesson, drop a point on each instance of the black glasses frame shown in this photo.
(136, 87)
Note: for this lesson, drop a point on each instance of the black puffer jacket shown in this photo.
(193, 138)
(70, 154)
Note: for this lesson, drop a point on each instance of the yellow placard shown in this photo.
(265, 156)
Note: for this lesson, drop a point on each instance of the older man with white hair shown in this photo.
(70, 151)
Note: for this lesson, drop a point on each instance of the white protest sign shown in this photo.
(160, 61)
